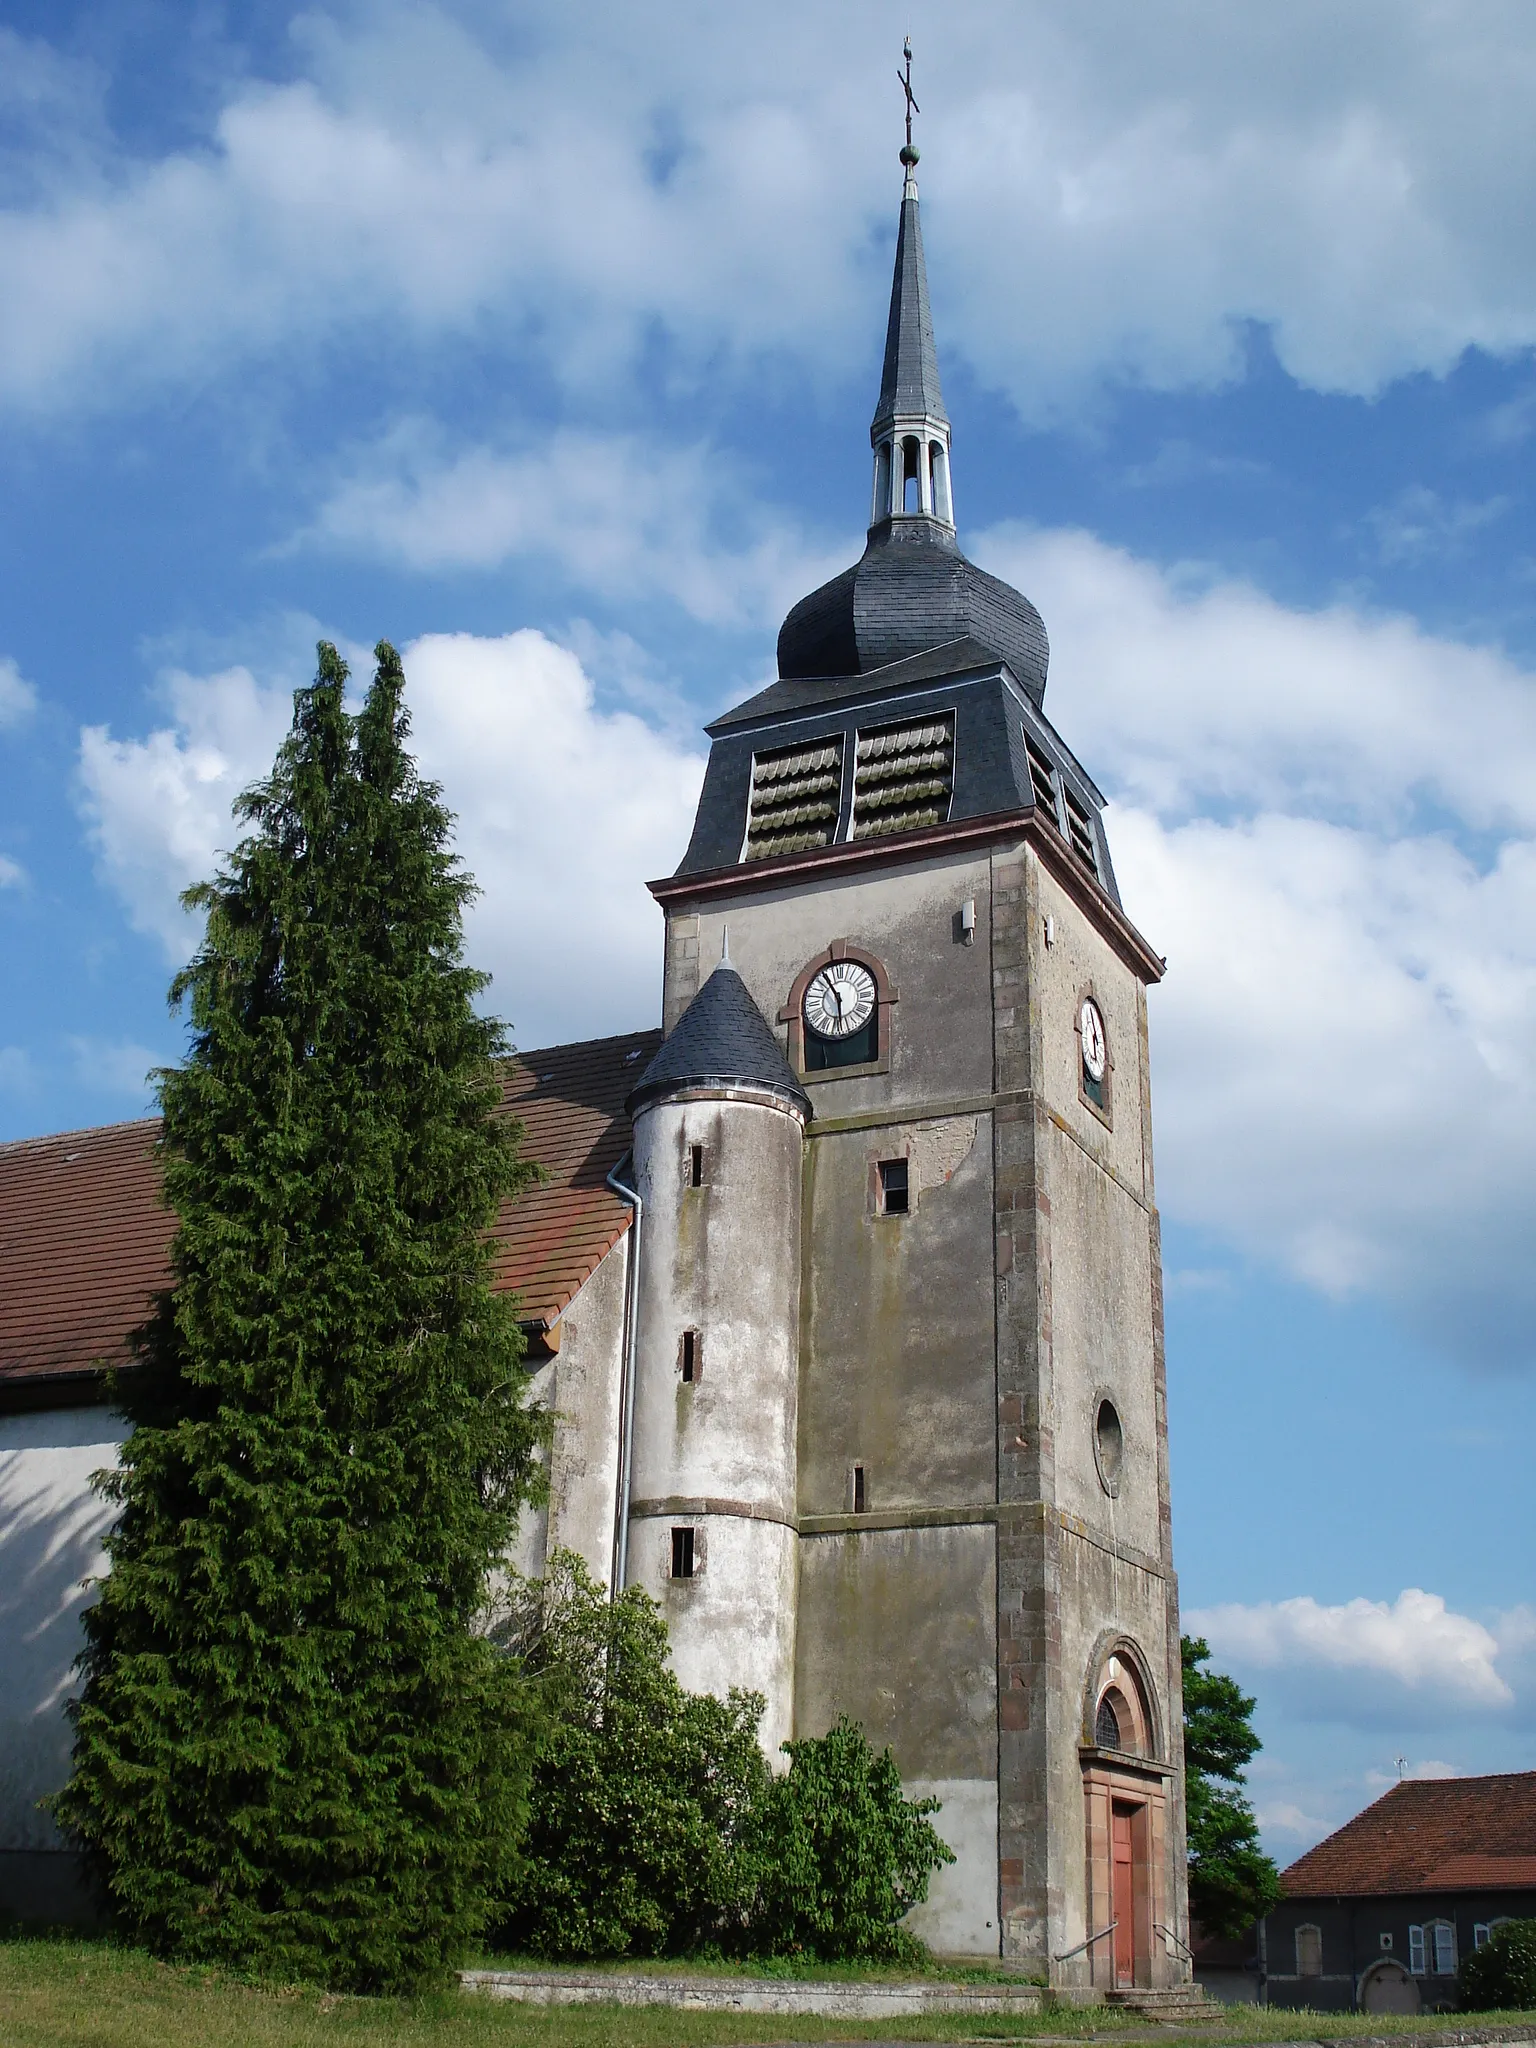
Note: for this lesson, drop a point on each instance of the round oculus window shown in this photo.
(840, 999)
(1108, 1445)
(1090, 1025)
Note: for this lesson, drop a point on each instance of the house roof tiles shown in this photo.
(85, 1239)
(1429, 1834)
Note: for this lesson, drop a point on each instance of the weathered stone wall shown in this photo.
(1079, 1306)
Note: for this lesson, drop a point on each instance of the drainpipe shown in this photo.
(627, 1378)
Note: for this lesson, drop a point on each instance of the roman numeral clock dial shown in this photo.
(840, 999)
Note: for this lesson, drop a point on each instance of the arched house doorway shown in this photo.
(1125, 1792)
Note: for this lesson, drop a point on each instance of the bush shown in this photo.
(642, 1793)
(840, 1853)
(1501, 1976)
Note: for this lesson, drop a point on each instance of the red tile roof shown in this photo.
(571, 1101)
(84, 1240)
(1430, 1834)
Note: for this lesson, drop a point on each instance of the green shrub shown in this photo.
(1501, 1976)
(641, 1792)
(840, 1853)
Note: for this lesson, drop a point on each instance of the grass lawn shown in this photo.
(78, 1994)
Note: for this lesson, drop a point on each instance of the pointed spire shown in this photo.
(910, 430)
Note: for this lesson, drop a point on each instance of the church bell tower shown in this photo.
(900, 1435)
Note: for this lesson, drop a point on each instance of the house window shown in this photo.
(1480, 1934)
(692, 1357)
(859, 1498)
(893, 1187)
(682, 1553)
(1309, 1951)
(1416, 1951)
(1107, 1732)
(1443, 1945)
(695, 1166)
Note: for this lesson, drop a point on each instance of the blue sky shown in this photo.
(544, 342)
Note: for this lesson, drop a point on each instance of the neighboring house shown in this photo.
(1227, 1966)
(869, 1395)
(1379, 1915)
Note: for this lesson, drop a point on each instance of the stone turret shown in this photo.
(718, 1127)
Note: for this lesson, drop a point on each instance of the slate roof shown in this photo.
(910, 591)
(1428, 1835)
(84, 1239)
(722, 1038)
(909, 381)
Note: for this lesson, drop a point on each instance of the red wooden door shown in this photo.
(1122, 1837)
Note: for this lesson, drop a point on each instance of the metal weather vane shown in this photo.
(904, 80)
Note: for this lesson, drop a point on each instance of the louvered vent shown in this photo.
(903, 778)
(795, 797)
(1080, 831)
(1041, 781)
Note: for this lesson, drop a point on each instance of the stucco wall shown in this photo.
(717, 1454)
(897, 1370)
(941, 1044)
(582, 1384)
(51, 1529)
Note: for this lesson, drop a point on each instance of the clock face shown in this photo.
(840, 999)
(1091, 1028)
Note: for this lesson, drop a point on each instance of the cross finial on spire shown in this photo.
(904, 80)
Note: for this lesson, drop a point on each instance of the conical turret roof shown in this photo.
(721, 1040)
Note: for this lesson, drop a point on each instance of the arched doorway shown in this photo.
(1125, 1781)
(1387, 1987)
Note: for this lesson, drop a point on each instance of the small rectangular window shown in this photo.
(690, 1356)
(1309, 1951)
(858, 1489)
(682, 1553)
(1445, 1949)
(1416, 1951)
(1480, 1934)
(893, 1187)
(695, 1166)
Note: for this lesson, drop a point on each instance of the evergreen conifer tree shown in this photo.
(295, 1753)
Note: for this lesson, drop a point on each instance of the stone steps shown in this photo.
(1174, 2005)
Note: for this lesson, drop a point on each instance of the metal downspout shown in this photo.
(627, 1380)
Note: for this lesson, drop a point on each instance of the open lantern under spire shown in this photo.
(910, 430)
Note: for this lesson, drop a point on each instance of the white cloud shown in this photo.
(1284, 1817)
(17, 696)
(626, 517)
(1328, 822)
(116, 1067)
(12, 873)
(1154, 178)
(564, 810)
(158, 810)
(1368, 1661)
(16, 1072)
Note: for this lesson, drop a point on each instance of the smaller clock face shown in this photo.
(840, 999)
(1091, 1028)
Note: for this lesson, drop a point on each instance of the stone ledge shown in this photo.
(785, 1995)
